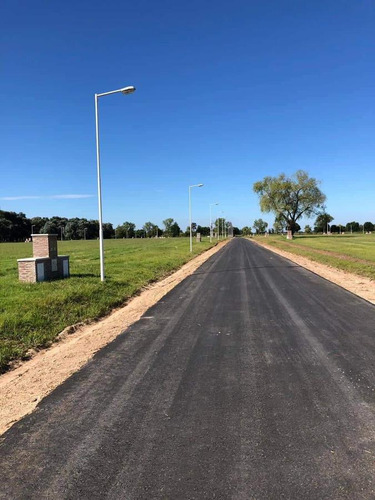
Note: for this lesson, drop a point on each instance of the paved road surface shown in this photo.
(253, 379)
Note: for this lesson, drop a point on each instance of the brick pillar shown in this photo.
(45, 245)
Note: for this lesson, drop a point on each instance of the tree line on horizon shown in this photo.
(16, 227)
(322, 225)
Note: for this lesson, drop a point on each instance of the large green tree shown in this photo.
(290, 198)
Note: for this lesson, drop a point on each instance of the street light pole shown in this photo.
(124, 90)
(211, 205)
(191, 232)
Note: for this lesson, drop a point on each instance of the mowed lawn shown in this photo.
(354, 253)
(32, 315)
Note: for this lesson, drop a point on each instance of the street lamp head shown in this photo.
(200, 185)
(128, 90)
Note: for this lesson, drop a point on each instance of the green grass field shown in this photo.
(353, 253)
(31, 315)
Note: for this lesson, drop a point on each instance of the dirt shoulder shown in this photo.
(361, 286)
(22, 388)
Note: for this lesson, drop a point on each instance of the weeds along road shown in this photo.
(252, 379)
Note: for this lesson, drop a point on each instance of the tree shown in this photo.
(5, 229)
(140, 233)
(150, 229)
(108, 231)
(175, 230)
(50, 227)
(203, 230)
(126, 230)
(322, 222)
(37, 223)
(246, 231)
(14, 226)
(352, 227)
(368, 227)
(279, 225)
(71, 230)
(308, 229)
(168, 225)
(220, 223)
(92, 230)
(290, 198)
(260, 226)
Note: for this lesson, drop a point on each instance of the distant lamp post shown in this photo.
(84, 232)
(211, 205)
(124, 90)
(191, 232)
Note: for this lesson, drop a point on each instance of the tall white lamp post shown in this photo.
(191, 232)
(124, 90)
(211, 205)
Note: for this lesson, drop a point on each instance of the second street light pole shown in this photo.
(191, 232)
(124, 90)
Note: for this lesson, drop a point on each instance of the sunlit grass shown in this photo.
(31, 315)
(353, 253)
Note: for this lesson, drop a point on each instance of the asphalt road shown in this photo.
(252, 379)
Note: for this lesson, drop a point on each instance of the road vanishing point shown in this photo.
(253, 379)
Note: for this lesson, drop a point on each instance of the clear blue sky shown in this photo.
(227, 93)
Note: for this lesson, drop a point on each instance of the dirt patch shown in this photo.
(361, 286)
(22, 388)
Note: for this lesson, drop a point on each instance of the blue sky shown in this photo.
(227, 93)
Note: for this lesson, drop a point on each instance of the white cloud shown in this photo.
(70, 196)
(11, 198)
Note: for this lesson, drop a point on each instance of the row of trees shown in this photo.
(171, 229)
(322, 225)
(17, 227)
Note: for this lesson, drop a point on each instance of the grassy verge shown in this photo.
(31, 315)
(352, 253)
